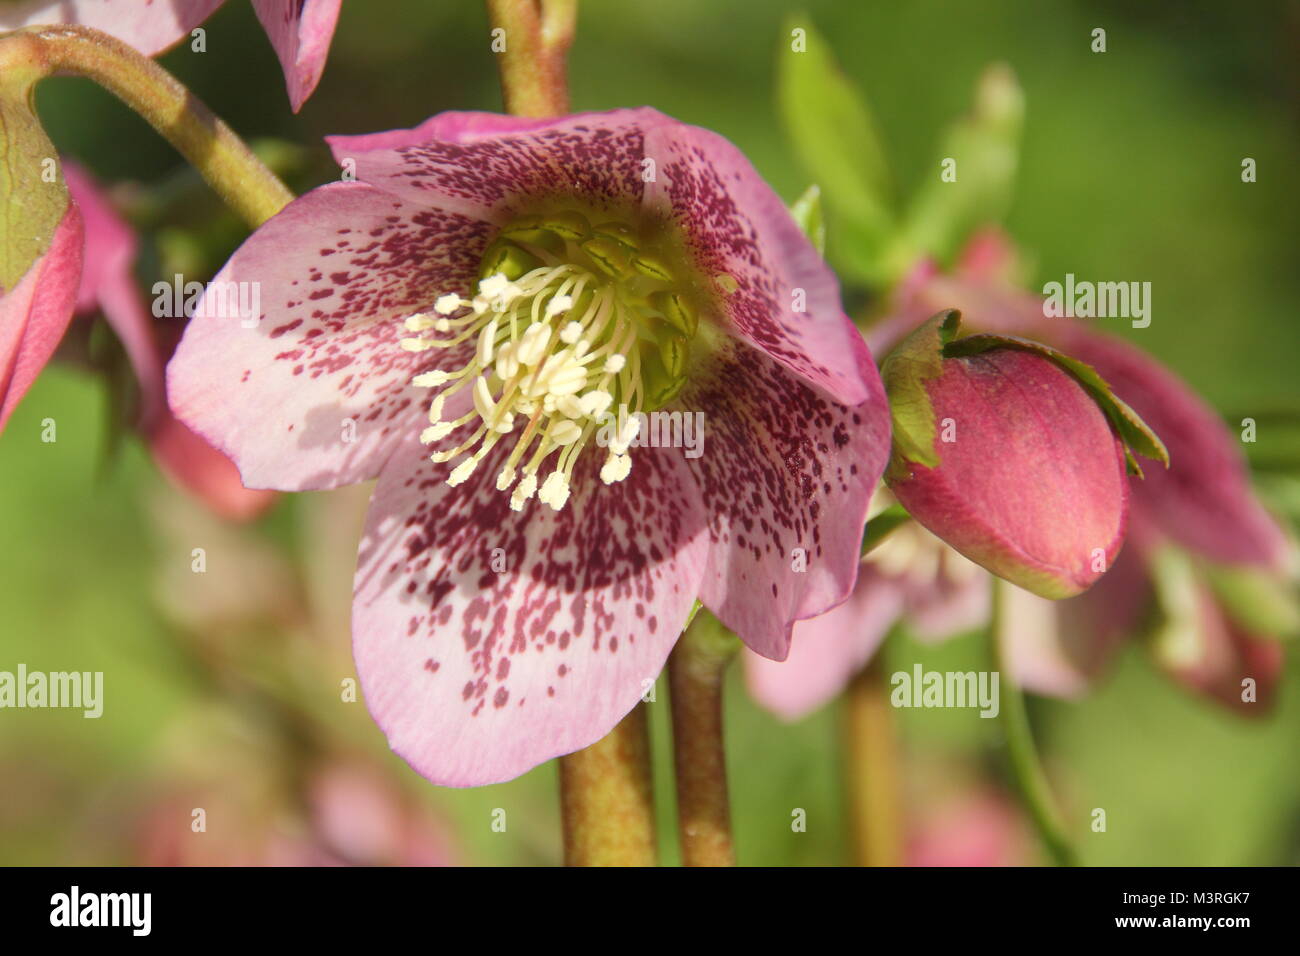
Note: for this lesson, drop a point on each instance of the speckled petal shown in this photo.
(777, 292)
(786, 475)
(481, 163)
(318, 394)
(489, 641)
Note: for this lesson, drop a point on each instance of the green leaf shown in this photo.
(807, 212)
(1133, 431)
(985, 147)
(33, 197)
(834, 135)
(883, 525)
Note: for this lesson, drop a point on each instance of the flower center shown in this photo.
(572, 322)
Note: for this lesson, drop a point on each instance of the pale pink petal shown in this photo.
(300, 31)
(1063, 648)
(487, 640)
(150, 26)
(1038, 656)
(946, 606)
(776, 291)
(786, 475)
(318, 394)
(35, 313)
(107, 285)
(979, 828)
(195, 465)
(826, 651)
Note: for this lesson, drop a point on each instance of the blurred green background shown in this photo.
(1130, 169)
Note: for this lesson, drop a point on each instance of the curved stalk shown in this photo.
(1026, 768)
(228, 165)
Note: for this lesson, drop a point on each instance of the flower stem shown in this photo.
(228, 165)
(695, 674)
(874, 784)
(1026, 769)
(536, 37)
(607, 799)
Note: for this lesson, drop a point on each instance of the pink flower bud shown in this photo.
(1007, 452)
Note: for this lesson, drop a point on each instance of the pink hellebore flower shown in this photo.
(555, 283)
(300, 30)
(1202, 507)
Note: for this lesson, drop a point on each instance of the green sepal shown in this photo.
(916, 360)
(32, 203)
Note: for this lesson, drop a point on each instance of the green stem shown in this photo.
(228, 165)
(872, 771)
(537, 35)
(607, 799)
(695, 675)
(1026, 769)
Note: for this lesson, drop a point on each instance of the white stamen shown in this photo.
(483, 402)
(565, 433)
(561, 303)
(486, 343)
(523, 491)
(462, 471)
(532, 345)
(614, 364)
(419, 322)
(620, 443)
(436, 432)
(449, 303)
(615, 468)
(571, 333)
(431, 379)
(555, 490)
(596, 403)
(571, 406)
